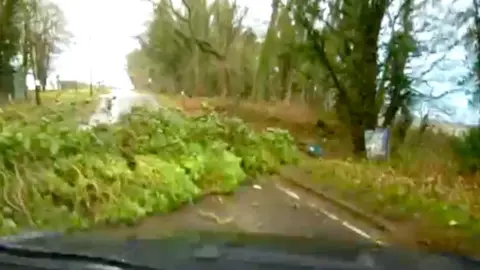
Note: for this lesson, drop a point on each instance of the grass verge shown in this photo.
(73, 106)
(443, 217)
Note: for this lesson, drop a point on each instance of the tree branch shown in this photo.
(203, 45)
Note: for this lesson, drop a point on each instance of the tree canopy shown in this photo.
(355, 58)
(32, 32)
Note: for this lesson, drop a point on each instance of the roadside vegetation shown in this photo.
(75, 105)
(56, 176)
(366, 65)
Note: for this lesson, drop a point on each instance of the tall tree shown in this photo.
(353, 57)
(354, 28)
(471, 20)
(10, 33)
(48, 37)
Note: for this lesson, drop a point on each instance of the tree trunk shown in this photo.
(6, 85)
(224, 79)
(288, 88)
(43, 83)
(38, 100)
(390, 114)
(357, 133)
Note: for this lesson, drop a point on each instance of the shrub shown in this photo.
(468, 150)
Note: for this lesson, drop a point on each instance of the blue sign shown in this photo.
(377, 143)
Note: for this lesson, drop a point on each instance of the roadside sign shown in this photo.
(377, 143)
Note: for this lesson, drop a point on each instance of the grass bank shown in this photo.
(433, 213)
(419, 189)
(73, 105)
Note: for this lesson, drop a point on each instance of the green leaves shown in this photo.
(468, 151)
(149, 162)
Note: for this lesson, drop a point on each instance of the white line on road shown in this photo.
(289, 193)
(356, 230)
(328, 214)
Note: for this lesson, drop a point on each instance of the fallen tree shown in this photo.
(59, 177)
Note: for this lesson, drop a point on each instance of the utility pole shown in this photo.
(90, 62)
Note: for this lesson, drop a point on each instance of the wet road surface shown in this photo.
(268, 206)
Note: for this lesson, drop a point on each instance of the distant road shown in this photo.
(121, 102)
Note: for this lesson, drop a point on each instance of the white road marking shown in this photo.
(356, 230)
(344, 223)
(289, 193)
(328, 214)
(381, 243)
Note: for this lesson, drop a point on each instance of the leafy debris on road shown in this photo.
(257, 187)
(55, 176)
(217, 219)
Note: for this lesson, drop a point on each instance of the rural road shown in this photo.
(122, 102)
(271, 205)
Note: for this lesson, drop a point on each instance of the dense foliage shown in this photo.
(32, 33)
(362, 61)
(57, 176)
(468, 150)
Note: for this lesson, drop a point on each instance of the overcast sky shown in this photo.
(104, 31)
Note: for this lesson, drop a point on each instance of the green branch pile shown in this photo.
(55, 176)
